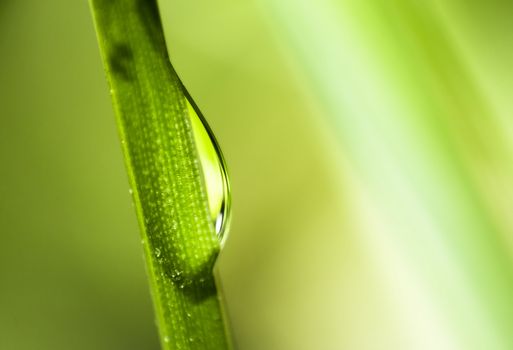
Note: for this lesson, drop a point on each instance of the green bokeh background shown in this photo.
(370, 152)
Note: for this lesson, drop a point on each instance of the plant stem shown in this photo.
(179, 240)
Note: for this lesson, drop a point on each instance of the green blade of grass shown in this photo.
(163, 165)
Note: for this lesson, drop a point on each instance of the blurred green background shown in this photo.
(370, 152)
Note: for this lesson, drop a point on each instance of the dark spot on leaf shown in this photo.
(199, 289)
(120, 60)
(198, 285)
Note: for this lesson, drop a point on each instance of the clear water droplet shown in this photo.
(214, 171)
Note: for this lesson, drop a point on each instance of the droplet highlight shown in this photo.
(213, 169)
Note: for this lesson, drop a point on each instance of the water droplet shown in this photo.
(166, 339)
(157, 252)
(214, 171)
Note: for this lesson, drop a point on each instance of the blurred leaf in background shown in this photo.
(369, 146)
